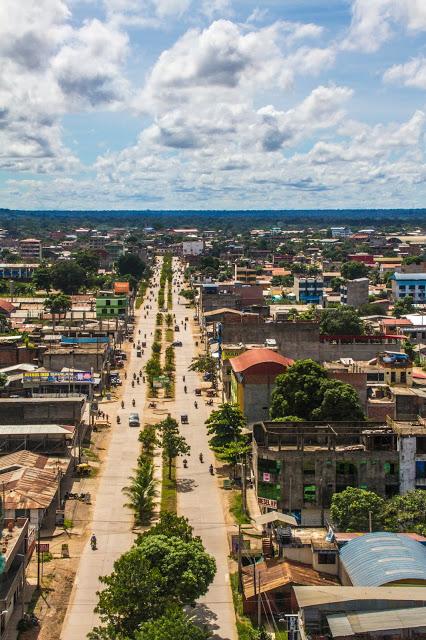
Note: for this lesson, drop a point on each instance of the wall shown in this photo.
(407, 463)
(84, 360)
(11, 354)
(38, 411)
(299, 340)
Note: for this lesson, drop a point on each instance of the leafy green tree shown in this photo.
(403, 307)
(350, 509)
(130, 264)
(172, 441)
(336, 283)
(57, 304)
(172, 526)
(234, 452)
(88, 260)
(205, 364)
(42, 277)
(175, 624)
(406, 513)
(141, 491)
(225, 425)
(152, 370)
(352, 270)
(160, 572)
(341, 320)
(409, 349)
(68, 276)
(340, 401)
(297, 391)
(148, 439)
(305, 391)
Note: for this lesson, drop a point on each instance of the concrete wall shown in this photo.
(35, 411)
(407, 464)
(300, 340)
(11, 354)
(78, 360)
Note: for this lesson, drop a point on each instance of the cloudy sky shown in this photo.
(212, 104)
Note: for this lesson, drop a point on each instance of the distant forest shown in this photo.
(42, 221)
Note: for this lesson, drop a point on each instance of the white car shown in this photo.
(134, 420)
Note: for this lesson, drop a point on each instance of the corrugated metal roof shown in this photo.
(35, 429)
(253, 357)
(351, 624)
(317, 596)
(274, 574)
(375, 559)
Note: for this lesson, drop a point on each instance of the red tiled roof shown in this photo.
(253, 357)
(397, 322)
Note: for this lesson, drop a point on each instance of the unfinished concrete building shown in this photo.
(298, 466)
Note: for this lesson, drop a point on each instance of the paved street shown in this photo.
(199, 494)
(198, 498)
(112, 522)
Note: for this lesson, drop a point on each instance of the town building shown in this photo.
(17, 271)
(245, 273)
(30, 249)
(109, 305)
(354, 293)
(252, 378)
(409, 284)
(298, 466)
(309, 290)
(340, 232)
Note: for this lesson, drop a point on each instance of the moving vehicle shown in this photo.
(177, 327)
(134, 420)
(177, 343)
(184, 419)
(139, 353)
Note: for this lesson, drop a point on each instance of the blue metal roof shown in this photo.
(375, 559)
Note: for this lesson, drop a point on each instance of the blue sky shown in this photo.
(132, 104)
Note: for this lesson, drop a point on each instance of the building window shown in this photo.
(393, 377)
(309, 493)
(326, 558)
(403, 377)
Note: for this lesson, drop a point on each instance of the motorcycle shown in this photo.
(185, 389)
(122, 404)
(137, 380)
(196, 404)
(152, 405)
(133, 383)
(201, 457)
(185, 463)
(118, 419)
(93, 542)
(211, 470)
(209, 403)
(133, 402)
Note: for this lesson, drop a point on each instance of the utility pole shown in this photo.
(259, 603)
(370, 521)
(38, 556)
(240, 577)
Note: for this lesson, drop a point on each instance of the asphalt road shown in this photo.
(112, 522)
(199, 496)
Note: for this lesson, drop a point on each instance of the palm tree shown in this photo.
(141, 492)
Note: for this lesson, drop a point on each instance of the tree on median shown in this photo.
(175, 624)
(158, 573)
(141, 491)
(225, 425)
(172, 442)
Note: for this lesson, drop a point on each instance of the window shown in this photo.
(393, 376)
(309, 492)
(326, 558)
(403, 377)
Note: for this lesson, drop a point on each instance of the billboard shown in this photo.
(95, 340)
(49, 377)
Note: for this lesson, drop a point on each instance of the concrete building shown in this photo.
(192, 247)
(309, 290)
(12, 271)
(252, 381)
(355, 292)
(409, 284)
(45, 410)
(245, 273)
(298, 466)
(109, 305)
(229, 295)
(340, 232)
(30, 249)
(98, 241)
(18, 542)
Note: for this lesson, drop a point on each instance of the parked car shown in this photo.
(177, 343)
(134, 420)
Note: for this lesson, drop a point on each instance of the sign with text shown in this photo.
(267, 502)
(49, 377)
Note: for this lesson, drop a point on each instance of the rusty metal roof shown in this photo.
(28, 488)
(274, 574)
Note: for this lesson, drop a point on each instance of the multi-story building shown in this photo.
(298, 466)
(409, 284)
(355, 292)
(109, 305)
(340, 232)
(245, 273)
(30, 249)
(309, 290)
(97, 242)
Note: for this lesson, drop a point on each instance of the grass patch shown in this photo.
(168, 489)
(68, 524)
(245, 628)
(169, 335)
(237, 509)
(90, 455)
